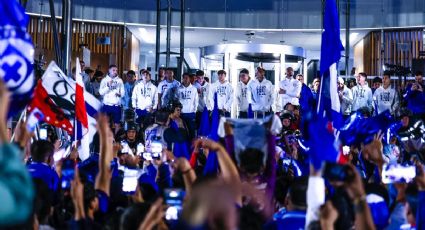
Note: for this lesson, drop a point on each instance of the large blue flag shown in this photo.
(16, 55)
(204, 128)
(211, 165)
(329, 57)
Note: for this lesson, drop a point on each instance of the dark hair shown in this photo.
(41, 149)
(133, 216)
(365, 111)
(142, 71)
(98, 73)
(343, 205)
(386, 73)
(261, 69)
(200, 73)
(244, 71)
(112, 66)
(419, 73)
(251, 160)
(207, 79)
(220, 72)
(298, 192)
(146, 72)
(186, 74)
(174, 105)
(377, 80)
(88, 71)
(162, 116)
(363, 74)
(131, 72)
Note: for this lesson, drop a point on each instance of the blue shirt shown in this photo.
(293, 220)
(46, 173)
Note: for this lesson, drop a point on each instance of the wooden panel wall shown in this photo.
(85, 33)
(400, 47)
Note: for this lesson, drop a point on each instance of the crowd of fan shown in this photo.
(283, 192)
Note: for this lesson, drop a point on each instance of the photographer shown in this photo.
(415, 96)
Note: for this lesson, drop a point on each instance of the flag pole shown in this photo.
(24, 113)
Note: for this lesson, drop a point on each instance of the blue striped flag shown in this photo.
(330, 54)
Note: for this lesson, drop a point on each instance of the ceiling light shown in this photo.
(146, 37)
(150, 51)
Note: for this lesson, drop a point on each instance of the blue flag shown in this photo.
(250, 112)
(204, 128)
(322, 145)
(360, 130)
(211, 165)
(16, 55)
(329, 57)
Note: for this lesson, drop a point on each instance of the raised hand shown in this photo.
(154, 216)
(374, 150)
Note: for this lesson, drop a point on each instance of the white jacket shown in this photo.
(362, 97)
(112, 90)
(261, 95)
(293, 90)
(224, 95)
(204, 91)
(385, 99)
(144, 96)
(241, 96)
(188, 96)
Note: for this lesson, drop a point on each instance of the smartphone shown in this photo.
(43, 134)
(174, 200)
(335, 172)
(68, 172)
(129, 183)
(396, 173)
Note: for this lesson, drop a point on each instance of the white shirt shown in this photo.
(242, 96)
(293, 90)
(144, 96)
(261, 95)
(224, 95)
(188, 97)
(112, 90)
(164, 88)
(385, 99)
(362, 97)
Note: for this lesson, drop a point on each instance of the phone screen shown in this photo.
(396, 173)
(43, 134)
(129, 183)
(68, 171)
(174, 200)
